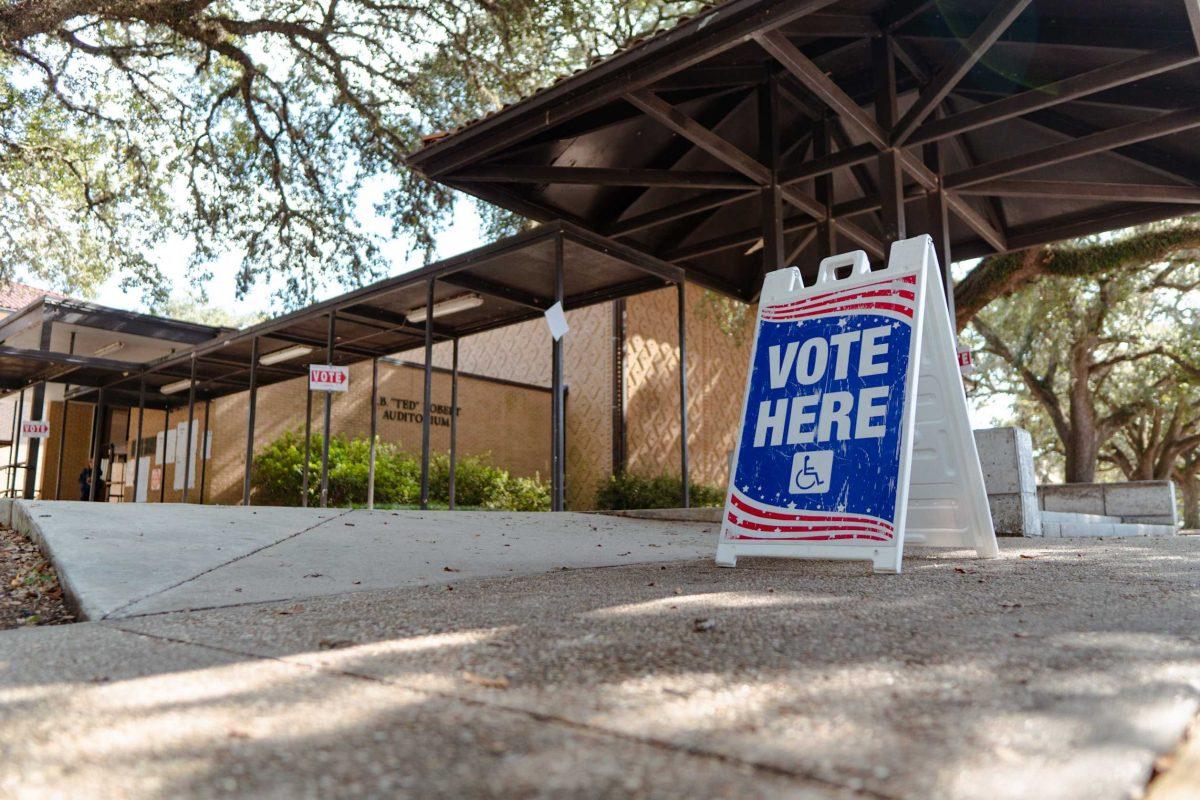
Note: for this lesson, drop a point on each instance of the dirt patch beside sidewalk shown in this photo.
(29, 590)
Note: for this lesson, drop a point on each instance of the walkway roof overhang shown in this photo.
(50, 310)
(1055, 119)
(514, 278)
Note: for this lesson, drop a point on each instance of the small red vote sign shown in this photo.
(35, 428)
(328, 378)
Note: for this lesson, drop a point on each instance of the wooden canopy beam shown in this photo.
(1087, 190)
(735, 157)
(725, 28)
(1052, 94)
(1163, 125)
(605, 176)
(497, 290)
(676, 151)
(1002, 15)
(832, 95)
(674, 211)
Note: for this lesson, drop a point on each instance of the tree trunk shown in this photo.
(1082, 443)
(1082, 453)
(1189, 486)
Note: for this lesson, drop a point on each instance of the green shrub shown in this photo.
(628, 491)
(279, 473)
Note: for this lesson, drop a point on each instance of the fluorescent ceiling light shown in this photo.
(177, 386)
(450, 306)
(111, 347)
(286, 354)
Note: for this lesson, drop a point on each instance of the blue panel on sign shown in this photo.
(820, 449)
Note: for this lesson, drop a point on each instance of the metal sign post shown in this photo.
(836, 459)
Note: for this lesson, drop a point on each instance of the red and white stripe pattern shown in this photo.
(891, 297)
(747, 519)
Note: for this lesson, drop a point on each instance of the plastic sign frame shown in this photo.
(854, 434)
(328, 378)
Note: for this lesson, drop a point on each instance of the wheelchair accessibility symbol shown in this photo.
(810, 472)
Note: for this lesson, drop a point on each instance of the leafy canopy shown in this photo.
(134, 127)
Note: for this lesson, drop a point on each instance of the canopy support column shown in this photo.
(939, 223)
(97, 439)
(773, 254)
(307, 444)
(187, 437)
(62, 434)
(428, 396)
(328, 416)
(557, 456)
(15, 450)
(453, 419)
(137, 446)
(204, 451)
(162, 483)
(34, 447)
(371, 451)
(681, 294)
(891, 175)
(250, 413)
(62, 448)
(826, 228)
(618, 386)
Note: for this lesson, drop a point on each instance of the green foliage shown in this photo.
(732, 317)
(259, 129)
(629, 491)
(279, 470)
(1093, 351)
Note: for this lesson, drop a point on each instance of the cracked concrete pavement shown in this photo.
(1061, 670)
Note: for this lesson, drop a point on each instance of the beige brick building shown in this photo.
(647, 409)
(622, 408)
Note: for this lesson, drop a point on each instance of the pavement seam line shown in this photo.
(467, 582)
(538, 716)
(255, 551)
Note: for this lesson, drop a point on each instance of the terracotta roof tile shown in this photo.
(15, 295)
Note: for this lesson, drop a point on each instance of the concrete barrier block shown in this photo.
(1015, 514)
(1006, 456)
(1070, 530)
(1081, 498)
(1150, 519)
(6, 505)
(1138, 498)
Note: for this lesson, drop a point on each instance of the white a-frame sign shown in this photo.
(854, 435)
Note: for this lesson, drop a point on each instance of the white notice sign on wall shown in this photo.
(328, 378)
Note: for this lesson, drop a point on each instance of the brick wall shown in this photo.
(717, 359)
(508, 422)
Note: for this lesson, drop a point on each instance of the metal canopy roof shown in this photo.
(513, 277)
(113, 320)
(1041, 121)
(34, 342)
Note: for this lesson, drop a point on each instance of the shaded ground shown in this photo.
(29, 590)
(1061, 670)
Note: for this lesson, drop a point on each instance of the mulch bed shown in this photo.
(29, 590)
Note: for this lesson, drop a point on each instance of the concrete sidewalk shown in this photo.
(1061, 670)
(123, 559)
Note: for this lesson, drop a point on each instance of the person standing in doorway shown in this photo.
(85, 484)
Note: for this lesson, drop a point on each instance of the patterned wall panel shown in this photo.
(717, 358)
